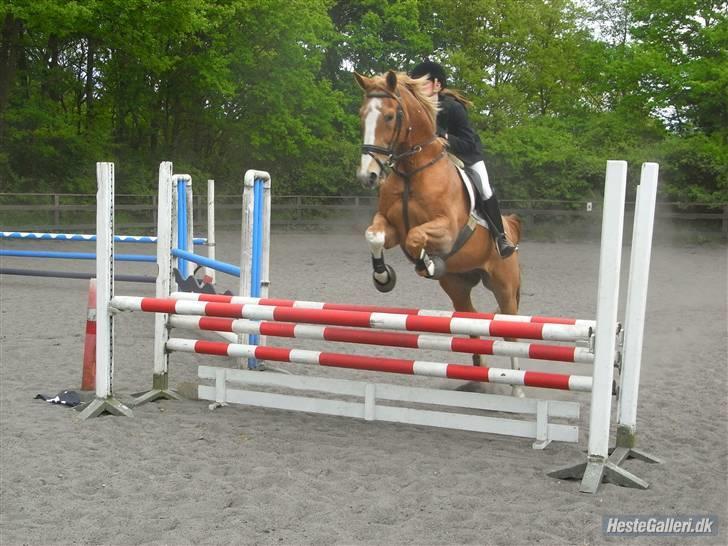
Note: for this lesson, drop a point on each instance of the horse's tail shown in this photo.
(514, 223)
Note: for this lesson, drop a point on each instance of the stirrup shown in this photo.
(504, 246)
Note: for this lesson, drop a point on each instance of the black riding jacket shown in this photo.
(463, 141)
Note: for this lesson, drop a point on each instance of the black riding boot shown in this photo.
(490, 211)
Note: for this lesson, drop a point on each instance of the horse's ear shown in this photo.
(363, 81)
(392, 80)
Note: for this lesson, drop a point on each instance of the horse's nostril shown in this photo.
(372, 177)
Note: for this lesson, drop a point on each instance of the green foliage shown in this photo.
(220, 86)
(695, 168)
(546, 159)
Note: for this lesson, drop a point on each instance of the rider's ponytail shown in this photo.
(457, 96)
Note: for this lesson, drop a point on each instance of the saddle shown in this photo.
(470, 178)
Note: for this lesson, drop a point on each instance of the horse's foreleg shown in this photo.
(425, 242)
(381, 235)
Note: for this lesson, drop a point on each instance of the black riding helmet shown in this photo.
(431, 69)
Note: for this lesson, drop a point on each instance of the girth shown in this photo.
(463, 235)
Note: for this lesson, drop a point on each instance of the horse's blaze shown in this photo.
(371, 117)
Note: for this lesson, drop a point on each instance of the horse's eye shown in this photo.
(388, 117)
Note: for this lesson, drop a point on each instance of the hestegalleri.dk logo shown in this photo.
(695, 525)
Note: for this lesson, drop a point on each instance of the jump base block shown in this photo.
(363, 400)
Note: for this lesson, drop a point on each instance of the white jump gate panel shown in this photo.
(239, 387)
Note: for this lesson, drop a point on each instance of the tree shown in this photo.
(682, 46)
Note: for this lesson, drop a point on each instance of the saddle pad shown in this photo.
(471, 197)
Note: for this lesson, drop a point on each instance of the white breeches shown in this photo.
(485, 192)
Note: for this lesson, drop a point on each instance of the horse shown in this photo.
(423, 206)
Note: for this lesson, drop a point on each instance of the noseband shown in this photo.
(389, 151)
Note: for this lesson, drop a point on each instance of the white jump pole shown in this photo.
(210, 272)
(265, 252)
(265, 246)
(607, 309)
(104, 278)
(166, 229)
(190, 224)
(104, 401)
(246, 251)
(635, 316)
(174, 240)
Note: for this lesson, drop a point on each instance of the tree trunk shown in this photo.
(10, 52)
(89, 83)
(50, 85)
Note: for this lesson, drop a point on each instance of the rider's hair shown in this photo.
(435, 71)
(457, 96)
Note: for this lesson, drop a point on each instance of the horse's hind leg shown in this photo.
(506, 289)
(381, 235)
(458, 287)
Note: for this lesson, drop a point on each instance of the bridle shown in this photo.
(390, 164)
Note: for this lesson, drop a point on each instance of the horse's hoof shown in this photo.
(431, 267)
(388, 285)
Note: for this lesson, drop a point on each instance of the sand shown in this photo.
(178, 473)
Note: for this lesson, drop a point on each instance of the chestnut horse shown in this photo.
(423, 205)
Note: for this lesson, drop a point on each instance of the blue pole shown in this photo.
(256, 255)
(257, 236)
(208, 262)
(182, 223)
(84, 237)
(75, 255)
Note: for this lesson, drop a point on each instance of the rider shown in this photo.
(454, 126)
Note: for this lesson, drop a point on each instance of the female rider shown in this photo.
(454, 126)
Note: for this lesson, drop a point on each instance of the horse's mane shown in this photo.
(416, 87)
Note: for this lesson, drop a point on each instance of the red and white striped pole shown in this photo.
(277, 302)
(88, 379)
(538, 351)
(386, 321)
(382, 364)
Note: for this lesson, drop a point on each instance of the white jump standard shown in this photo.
(104, 401)
(600, 465)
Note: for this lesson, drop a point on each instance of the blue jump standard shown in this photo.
(182, 222)
(255, 266)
